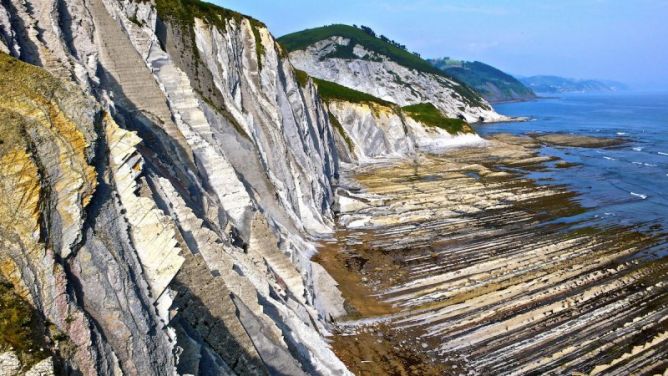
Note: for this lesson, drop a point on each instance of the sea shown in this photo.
(624, 185)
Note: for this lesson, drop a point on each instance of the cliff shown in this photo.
(165, 177)
(369, 129)
(357, 59)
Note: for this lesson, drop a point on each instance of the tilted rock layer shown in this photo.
(164, 177)
(376, 74)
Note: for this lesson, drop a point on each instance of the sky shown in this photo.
(624, 40)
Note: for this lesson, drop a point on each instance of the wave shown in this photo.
(642, 196)
(609, 158)
(637, 163)
(621, 133)
(662, 153)
(637, 148)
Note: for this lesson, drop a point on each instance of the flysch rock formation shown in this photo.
(461, 264)
(165, 178)
(376, 74)
(372, 132)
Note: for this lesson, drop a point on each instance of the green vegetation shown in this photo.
(425, 113)
(339, 128)
(302, 77)
(429, 115)
(20, 327)
(302, 39)
(492, 83)
(381, 45)
(259, 47)
(183, 13)
(332, 91)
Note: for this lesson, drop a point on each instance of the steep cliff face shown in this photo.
(370, 131)
(349, 57)
(162, 195)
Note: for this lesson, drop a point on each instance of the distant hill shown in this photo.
(359, 59)
(493, 84)
(555, 85)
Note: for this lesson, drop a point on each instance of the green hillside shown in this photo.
(491, 83)
(377, 43)
(302, 39)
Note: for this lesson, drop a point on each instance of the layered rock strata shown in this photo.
(371, 132)
(164, 192)
(460, 264)
(376, 74)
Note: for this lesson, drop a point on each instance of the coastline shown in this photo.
(480, 236)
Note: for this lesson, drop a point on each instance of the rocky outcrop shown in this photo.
(369, 132)
(376, 74)
(463, 263)
(161, 208)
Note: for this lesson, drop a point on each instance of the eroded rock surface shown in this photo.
(163, 192)
(461, 264)
(373, 73)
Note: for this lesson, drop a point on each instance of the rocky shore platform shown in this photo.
(461, 264)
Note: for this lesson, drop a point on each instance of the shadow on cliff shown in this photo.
(29, 52)
(159, 151)
(196, 316)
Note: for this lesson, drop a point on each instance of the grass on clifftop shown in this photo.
(332, 91)
(429, 115)
(184, 12)
(302, 77)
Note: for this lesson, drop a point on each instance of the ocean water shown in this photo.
(622, 185)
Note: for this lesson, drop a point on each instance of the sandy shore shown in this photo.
(459, 264)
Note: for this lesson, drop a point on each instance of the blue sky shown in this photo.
(606, 39)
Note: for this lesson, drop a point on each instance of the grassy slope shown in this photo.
(429, 115)
(302, 39)
(426, 113)
(333, 91)
(479, 75)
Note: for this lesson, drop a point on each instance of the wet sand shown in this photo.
(460, 264)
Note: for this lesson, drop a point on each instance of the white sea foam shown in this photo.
(621, 133)
(637, 148)
(642, 196)
(638, 163)
(609, 158)
(662, 153)
(649, 164)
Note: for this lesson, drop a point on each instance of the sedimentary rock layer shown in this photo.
(376, 74)
(369, 132)
(163, 193)
(469, 262)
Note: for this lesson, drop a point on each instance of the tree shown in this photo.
(368, 30)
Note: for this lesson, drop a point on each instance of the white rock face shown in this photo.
(377, 75)
(370, 133)
(217, 179)
(152, 232)
(10, 364)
